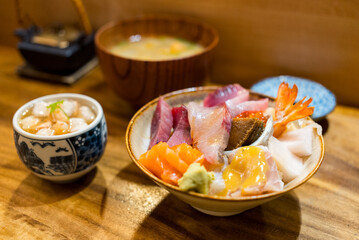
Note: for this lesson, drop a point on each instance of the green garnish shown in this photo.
(56, 105)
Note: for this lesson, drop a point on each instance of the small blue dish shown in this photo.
(324, 101)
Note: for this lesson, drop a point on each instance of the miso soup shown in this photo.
(156, 48)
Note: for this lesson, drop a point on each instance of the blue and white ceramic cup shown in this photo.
(62, 158)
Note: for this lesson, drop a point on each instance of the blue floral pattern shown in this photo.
(63, 156)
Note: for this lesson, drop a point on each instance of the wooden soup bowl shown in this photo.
(139, 81)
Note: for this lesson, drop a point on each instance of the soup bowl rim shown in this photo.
(112, 24)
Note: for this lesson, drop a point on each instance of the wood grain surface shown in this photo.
(117, 201)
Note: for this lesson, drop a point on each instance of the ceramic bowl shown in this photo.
(67, 157)
(137, 141)
(139, 81)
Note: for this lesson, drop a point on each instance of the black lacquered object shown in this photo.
(59, 57)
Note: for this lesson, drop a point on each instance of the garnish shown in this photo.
(56, 105)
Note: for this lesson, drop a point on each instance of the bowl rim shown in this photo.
(199, 195)
(112, 24)
(89, 100)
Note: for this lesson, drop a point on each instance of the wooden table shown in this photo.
(117, 201)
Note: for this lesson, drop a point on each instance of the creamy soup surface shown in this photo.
(156, 48)
(48, 118)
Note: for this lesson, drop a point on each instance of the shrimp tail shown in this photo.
(285, 111)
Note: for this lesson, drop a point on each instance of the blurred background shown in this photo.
(318, 40)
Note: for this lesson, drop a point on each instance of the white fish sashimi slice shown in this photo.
(253, 106)
(210, 127)
(274, 180)
(288, 164)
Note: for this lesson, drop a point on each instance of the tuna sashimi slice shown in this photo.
(210, 127)
(161, 124)
(223, 94)
(181, 128)
(253, 106)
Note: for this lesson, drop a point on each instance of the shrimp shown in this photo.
(285, 111)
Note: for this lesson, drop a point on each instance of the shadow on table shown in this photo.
(133, 174)
(325, 125)
(34, 191)
(174, 219)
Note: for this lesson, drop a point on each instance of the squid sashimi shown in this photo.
(248, 106)
(161, 125)
(210, 127)
(299, 141)
(181, 128)
(223, 94)
(288, 163)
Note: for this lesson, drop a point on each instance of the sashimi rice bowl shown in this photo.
(224, 149)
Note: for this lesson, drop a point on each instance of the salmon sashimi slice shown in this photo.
(252, 106)
(181, 128)
(159, 167)
(169, 164)
(210, 127)
(165, 153)
(189, 154)
(223, 94)
(161, 124)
